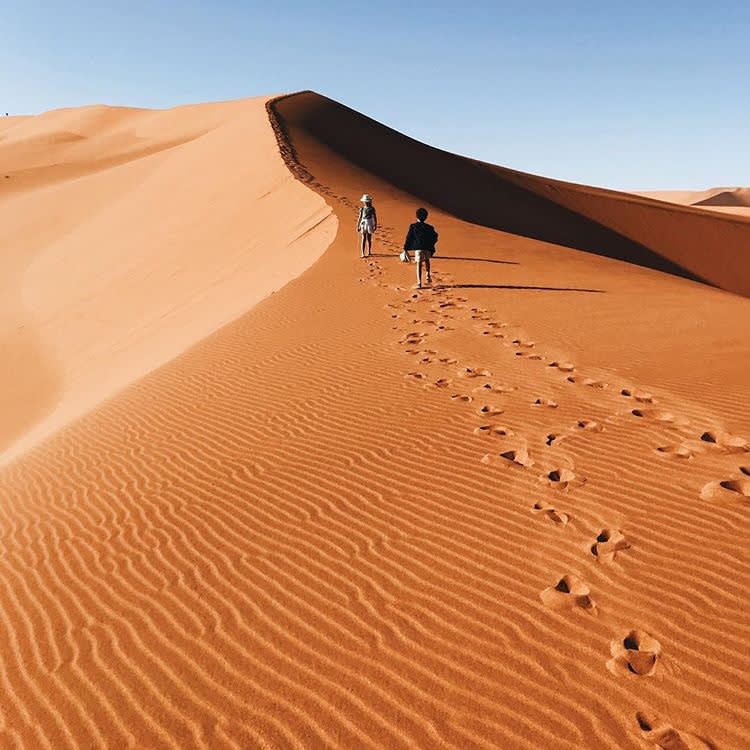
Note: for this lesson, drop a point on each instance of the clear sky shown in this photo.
(628, 95)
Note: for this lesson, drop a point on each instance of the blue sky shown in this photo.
(628, 95)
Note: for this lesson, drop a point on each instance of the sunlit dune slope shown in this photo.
(126, 236)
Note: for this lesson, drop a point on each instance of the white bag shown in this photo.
(404, 256)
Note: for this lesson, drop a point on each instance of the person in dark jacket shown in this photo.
(421, 238)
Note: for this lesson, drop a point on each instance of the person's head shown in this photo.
(366, 199)
(422, 214)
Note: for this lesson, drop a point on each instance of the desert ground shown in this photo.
(257, 492)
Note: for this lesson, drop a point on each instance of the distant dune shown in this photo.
(260, 493)
(729, 200)
(737, 197)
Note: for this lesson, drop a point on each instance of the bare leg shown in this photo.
(420, 260)
(362, 245)
(369, 243)
(427, 267)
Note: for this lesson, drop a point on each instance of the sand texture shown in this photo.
(509, 511)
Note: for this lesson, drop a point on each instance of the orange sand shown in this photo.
(506, 512)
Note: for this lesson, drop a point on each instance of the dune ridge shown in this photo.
(332, 522)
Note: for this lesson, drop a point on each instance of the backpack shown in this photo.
(425, 237)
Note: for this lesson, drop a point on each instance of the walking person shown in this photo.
(421, 238)
(367, 225)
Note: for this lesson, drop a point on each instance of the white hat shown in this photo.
(366, 198)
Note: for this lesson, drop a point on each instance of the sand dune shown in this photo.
(506, 512)
(726, 200)
(127, 236)
(735, 197)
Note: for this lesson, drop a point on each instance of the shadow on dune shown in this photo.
(520, 287)
(674, 239)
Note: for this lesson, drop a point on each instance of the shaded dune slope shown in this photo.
(617, 225)
(361, 517)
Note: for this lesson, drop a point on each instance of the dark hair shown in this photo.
(421, 214)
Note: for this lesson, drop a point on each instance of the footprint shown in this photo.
(519, 457)
(590, 425)
(447, 360)
(461, 397)
(679, 450)
(470, 372)
(558, 518)
(667, 737)
(635, 654)
(550, 439)
(590, 382)
(545, 402)
(490, 411)
(525, 355)
(416, 375)
(727, 443)
(439, 383)
(641, 396)
(495, 388)
(657, 415)
(412, 339)
(562, 478)
(728, 489)
(493, 429)
(608, 543)
(569, 592)
(526, 344)
(563, 366)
